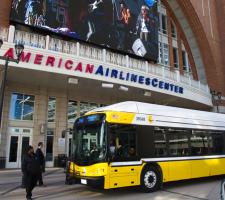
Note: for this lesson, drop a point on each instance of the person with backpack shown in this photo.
(31, 171)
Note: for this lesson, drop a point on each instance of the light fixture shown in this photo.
(107, 85)
(123, 88)
(73, 81)
(19, 50)
(147, 94)
(1, 43)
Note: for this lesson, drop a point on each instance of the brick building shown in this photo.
(43, 97)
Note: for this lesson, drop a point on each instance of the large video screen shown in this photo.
(130, 26)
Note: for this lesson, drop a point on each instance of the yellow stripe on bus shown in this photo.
(120, 117)
(123, 176)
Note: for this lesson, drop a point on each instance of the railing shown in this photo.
(115, 58)
(90, 52)
(62, 46)
(185, 80)
(169, 74)
(137, 64)
(33, 40)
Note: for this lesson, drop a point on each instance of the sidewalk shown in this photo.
(2, 171)
(10, 179)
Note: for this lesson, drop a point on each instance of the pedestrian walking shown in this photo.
(31, 171)
(41, 158)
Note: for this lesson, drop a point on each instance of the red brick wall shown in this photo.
(220, 10)
(5, 7)
(210, 37)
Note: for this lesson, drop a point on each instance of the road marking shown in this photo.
(18, 186)
(186, 195)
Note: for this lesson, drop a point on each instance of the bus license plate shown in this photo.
(83, 181)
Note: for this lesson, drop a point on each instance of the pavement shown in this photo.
(54, 178)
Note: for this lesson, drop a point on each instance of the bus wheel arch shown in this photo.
(151, 177)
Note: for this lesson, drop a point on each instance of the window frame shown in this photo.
(175, 58)
(173, 30)
(89, 106)
(185, 61)
(164, 54)
(162, 23)
(54, 118)
(129, 138)
(22, 106)
(188, 132)
(77, 112)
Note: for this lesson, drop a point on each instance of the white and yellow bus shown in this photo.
(133, 143)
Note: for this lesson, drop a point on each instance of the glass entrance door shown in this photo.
(49, 147)
(13, 151)
(17, 146)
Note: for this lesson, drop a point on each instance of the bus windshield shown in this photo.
(90, 139)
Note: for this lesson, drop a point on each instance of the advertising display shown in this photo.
(130, 26)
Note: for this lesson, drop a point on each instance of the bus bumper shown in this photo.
(92, 181)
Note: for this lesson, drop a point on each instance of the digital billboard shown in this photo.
(130, 26)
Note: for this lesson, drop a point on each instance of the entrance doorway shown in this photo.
(49, 148)
(18, 141)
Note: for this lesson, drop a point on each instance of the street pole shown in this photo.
(19, 49)
(2, 92)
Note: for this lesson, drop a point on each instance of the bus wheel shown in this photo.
(150, 179)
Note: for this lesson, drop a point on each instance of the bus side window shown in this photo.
(171, 142)
(122, 138)
(178, 142)
(160, 146)
(216, 142)
(199, 143)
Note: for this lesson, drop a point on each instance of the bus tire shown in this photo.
(151, 179)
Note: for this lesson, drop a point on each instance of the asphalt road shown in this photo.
(201, 189)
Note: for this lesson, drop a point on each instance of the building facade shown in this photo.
(58, 79)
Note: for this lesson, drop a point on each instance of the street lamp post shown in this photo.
(19, 49)
(216, 97)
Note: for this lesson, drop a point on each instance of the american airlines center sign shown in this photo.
(91, 70)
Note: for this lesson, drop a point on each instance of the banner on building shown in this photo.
(130, 26)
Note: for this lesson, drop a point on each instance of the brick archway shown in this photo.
(205, 60)
(201, 37)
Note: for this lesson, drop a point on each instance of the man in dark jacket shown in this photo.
(41, 158)
(31, 171)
